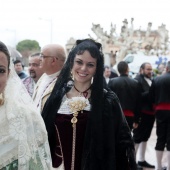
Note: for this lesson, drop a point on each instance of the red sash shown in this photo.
(128, 113)
(162, 106)
(148, 112)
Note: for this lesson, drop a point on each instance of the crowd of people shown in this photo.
(144, 99)
(73, 113)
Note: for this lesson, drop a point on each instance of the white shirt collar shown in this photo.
(148, 81)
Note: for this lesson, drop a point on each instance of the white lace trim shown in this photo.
(65, 109)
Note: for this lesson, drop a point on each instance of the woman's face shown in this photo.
(84, 67)
(4, 71)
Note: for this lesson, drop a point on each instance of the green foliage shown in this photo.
(28, 45)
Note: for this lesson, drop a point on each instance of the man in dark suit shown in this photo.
(160, 96)
(128, 92)
(143, 131)
(107, 75)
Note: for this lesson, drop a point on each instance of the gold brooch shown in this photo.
(76, 104)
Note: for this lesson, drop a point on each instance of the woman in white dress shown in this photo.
(23, 137)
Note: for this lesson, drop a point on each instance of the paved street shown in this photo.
(150, 153)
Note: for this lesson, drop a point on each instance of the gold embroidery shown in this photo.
(77, 104)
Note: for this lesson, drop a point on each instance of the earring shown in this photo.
(92, 80)
(72, 76)
(1, 99)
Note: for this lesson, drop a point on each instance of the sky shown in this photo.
(56, 21)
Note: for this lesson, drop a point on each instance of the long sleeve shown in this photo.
(115, 121)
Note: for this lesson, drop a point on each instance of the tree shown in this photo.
(26, 48)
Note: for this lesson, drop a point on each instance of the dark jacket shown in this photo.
(146, 104)
(128, 92)
(105, 85)
(111, 147)
(22, 75)
(160, 89)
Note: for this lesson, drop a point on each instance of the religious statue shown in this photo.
(113, 35)
(163, 39)
(148, 31)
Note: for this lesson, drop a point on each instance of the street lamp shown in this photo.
(51, 27)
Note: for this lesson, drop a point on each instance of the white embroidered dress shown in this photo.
(23, 137)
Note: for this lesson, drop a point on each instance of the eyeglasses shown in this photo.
(33, 65)
(45, 56)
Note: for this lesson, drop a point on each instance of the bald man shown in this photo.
(52, 60)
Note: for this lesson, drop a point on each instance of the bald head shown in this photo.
(53, 57)
(55, 50)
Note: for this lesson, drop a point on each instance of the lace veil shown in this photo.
(23, 136)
